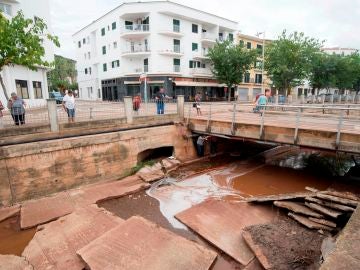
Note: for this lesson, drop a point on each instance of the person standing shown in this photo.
(200, 145)
(262, 101)
(197, 104)
(136, 103)
(17, 109)
(160, 101)
(69, 105)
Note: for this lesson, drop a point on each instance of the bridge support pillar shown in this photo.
(52, 111)
(180, 106)
(128, 109)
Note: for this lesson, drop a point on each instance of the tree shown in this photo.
(230, 62)
(323, 71)
(288, 60)
(21, 43)
(64, 73)
(356, 64)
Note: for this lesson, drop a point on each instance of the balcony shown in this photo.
(173, 32)
(134, 51)
(175, 51)
(135, 30)
(208, 39)
(137, 71)
(201, 72)
(202, 56)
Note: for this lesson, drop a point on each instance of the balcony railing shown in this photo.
(201, 71)
(137, 49)
(146, 68)
(208, 36)
(137, 28)
(176, 68)
(177, 48)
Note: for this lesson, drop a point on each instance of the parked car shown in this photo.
(57, 96)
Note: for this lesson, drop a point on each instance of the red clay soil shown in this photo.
(140, 204)
(286, 245)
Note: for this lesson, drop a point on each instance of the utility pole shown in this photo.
(263, 60)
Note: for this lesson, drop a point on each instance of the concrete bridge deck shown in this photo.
(338, 130)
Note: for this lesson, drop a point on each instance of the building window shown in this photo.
(6, 8)
(258, 78)
(146, 65)
(231, 37)
(115, 63)
(248, 45)
(176, 43)
(104, 50)
(103, 31)
(89, 70)
(221, 37)
(259, 48)
(176, 62)
(79, 44)
(84, 40)
(37, 90)
(258, 64)
(176, 25)
(115, 45)
(22, 89)
(99, 93)
(108, 27)
(195, 28)
(89, 55)
(195, 47)
(241, 43)
(247, 77)
(104, 67)
(86, 71)
(113, 26)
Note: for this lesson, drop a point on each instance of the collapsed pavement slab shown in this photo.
(55, 244)
(11, 262)
(170, 164)
(151, 173)
(222, 223)
(43, 210)
(7, 212)
(140, 244)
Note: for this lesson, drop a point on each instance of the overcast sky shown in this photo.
(335, 21)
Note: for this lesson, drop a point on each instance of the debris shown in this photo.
(140, 244)
(331, 204)
(151, 173)
(257, 250)
(297, 208)
(327, 246)
(323, 210)
(345, 195)
(308, 223)
(311, 189)
(280, 197)
(323, 222)
(170, 164)
(337, 199)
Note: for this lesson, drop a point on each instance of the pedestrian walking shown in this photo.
(136, 102)
(68, 104)
(200, 145)
(261, 101)
(160, 101)
(197, 104)
(1, 115)
(16, 106)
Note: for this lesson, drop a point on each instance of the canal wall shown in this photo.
(33, 170)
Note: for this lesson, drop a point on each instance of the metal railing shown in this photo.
(176, 28)
(31, 116)
(137, 28)
(176, 68)
(208, 36)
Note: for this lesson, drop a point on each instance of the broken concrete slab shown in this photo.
(43, 210)
(98, 193)
(55, 244)
(331, 204)
(337, 199)
(298, 208)
(170, 164)
(344, 195)
(151, 173)
(222, 222)
(7, 212)
(323, 222)
(324, 210)
(11, 262)
(280, 197)
(284, 245)
(308, 223)
(140, 244)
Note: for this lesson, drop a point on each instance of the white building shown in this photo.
(165, 40)
(30, 85)
(340, 51)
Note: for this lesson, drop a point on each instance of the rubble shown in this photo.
(330, 204)
(309, 223)
(297, 208)
(11, 262)
(7, 212)
(151, 173)
(323, 210)
(337, 199)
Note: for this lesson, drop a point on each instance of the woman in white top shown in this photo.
(69, 105)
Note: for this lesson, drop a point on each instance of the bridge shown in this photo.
(328, 127)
